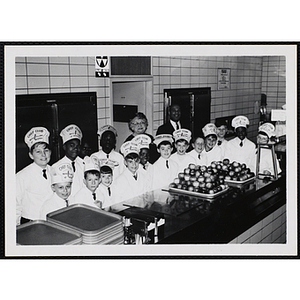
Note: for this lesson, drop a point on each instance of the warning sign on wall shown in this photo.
(223, 79)
(102, 66)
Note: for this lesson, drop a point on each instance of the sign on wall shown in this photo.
(102, 66)
(223, 79)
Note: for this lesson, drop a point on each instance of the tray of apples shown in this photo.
(236, 174)
(200, 181)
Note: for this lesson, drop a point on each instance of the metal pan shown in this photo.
(208, 197)
(41, 232)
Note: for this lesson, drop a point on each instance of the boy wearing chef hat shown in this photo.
(71, 138)
(198, 150)
(61, 184)
(265, 132)
(88, 194)
(164, 169)
(182, 139)
(143, 141)
(211, 150)
(221, 126)
(33, 184)
(132, 182)
(107, 154)
(240, 149)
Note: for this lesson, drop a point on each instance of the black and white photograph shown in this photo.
(150, 150)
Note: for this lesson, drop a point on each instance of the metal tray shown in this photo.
(41, 232)
(85, 219)
(196, 194)
(234, 183)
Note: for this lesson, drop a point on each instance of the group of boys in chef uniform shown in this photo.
(108, 177)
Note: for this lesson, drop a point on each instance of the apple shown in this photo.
(181, 175)
(208, 179)
(193, 178)
(201, 178)
(208, 185)
(196, 184)
(192, 166)
(186, 171)
(203, 169)
(176, 180)
(172, 185)
(225, 161)
(197, 173)
(211, 191)
(187, 177)
(202, 185)
(190, 188)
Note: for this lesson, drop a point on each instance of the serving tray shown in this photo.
(234, 183)
(196, 194)
(40, 232)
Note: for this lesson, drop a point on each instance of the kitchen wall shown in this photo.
(274, 81)
(250, 76)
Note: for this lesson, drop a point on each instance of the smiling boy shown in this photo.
(61, 184)
(131, 182)
(164, 169)
(71, 138)
(88, 194)
(33, 185)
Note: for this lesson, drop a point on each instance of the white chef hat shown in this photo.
(268, 129)
(71, 132)
(240, 121)
(129, 147)
(62, 173)
(107, 128)
(183, 133)
(91, 163)
(35, 135)
(142, 140)
(163, 137)
(208, 129)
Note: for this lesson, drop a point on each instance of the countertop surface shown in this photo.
(191, 219)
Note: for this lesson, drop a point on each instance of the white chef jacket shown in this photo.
(163, 176)
(148, 173)
(244, 154)
(32, 191)
(78, 175)
(52, 204)
(266, 161)
(195, 155)
(183, 161)
(215, 154)
(102, 191)
(85, 196)
(126, 187)
(222, 146)
(114, 159)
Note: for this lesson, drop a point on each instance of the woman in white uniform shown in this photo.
(212, 151)
(241, 149)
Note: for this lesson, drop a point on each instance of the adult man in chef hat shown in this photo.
(33, 185)
(71, 137)
(182, 139)
(132, 182)
(265, 132)
(240, 149)
(107, 154)
(212, 152)
(61, 184)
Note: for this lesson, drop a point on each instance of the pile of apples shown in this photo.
(211, 179)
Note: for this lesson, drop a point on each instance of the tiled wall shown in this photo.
(271, 229)
(274, 81)
(250, 76)
(189, 72)
(37, 75)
